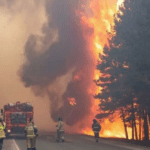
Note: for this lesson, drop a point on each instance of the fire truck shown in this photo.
(16, 117)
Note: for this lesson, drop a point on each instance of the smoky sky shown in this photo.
(43, 67)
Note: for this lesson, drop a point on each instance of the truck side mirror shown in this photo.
(2, 111)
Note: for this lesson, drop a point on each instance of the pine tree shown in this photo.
(125, 66)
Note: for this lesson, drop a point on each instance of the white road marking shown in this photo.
(17, 148)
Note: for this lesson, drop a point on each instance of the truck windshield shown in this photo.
(18, 118)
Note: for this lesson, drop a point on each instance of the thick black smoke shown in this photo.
(70, 51)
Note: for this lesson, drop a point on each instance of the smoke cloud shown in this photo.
(59, 63)
(18, 20)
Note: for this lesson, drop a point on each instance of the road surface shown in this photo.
(73, 142)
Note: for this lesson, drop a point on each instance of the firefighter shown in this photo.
(60, 130)
(31, 132)
(96, 129)
(2, 132)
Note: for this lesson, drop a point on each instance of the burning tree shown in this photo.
(125, 68)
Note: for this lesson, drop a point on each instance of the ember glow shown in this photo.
(72, 101)
(119, 3)
(102, 23)
(114, 129)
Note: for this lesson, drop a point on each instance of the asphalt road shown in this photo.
(73, 142)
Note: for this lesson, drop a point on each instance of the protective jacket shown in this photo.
(30, 130)
(60, 126)
(2, 130)
(96, 127)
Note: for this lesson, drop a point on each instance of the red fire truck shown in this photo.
(16, 117)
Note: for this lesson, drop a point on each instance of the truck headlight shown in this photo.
(8, 131)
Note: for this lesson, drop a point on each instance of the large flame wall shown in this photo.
(60, 62)
(101, 23)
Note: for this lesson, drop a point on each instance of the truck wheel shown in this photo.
(7, 136)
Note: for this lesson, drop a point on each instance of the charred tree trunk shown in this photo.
(135, 129)
(132, 121)
(125, 126)
(146, 130)
(132, 130)
(140, 126)
(148, 124)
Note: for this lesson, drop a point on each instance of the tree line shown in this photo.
(125, 68)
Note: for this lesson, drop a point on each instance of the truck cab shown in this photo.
(16, 117)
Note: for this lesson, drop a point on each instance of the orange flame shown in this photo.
(102, 23)
(109, 129)
(72, 101)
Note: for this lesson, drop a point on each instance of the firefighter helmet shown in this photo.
(59, 118)
(94, 120)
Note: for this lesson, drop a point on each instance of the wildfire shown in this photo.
(119, 3)
(102, 23)
(114, 129)
(72, 101)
